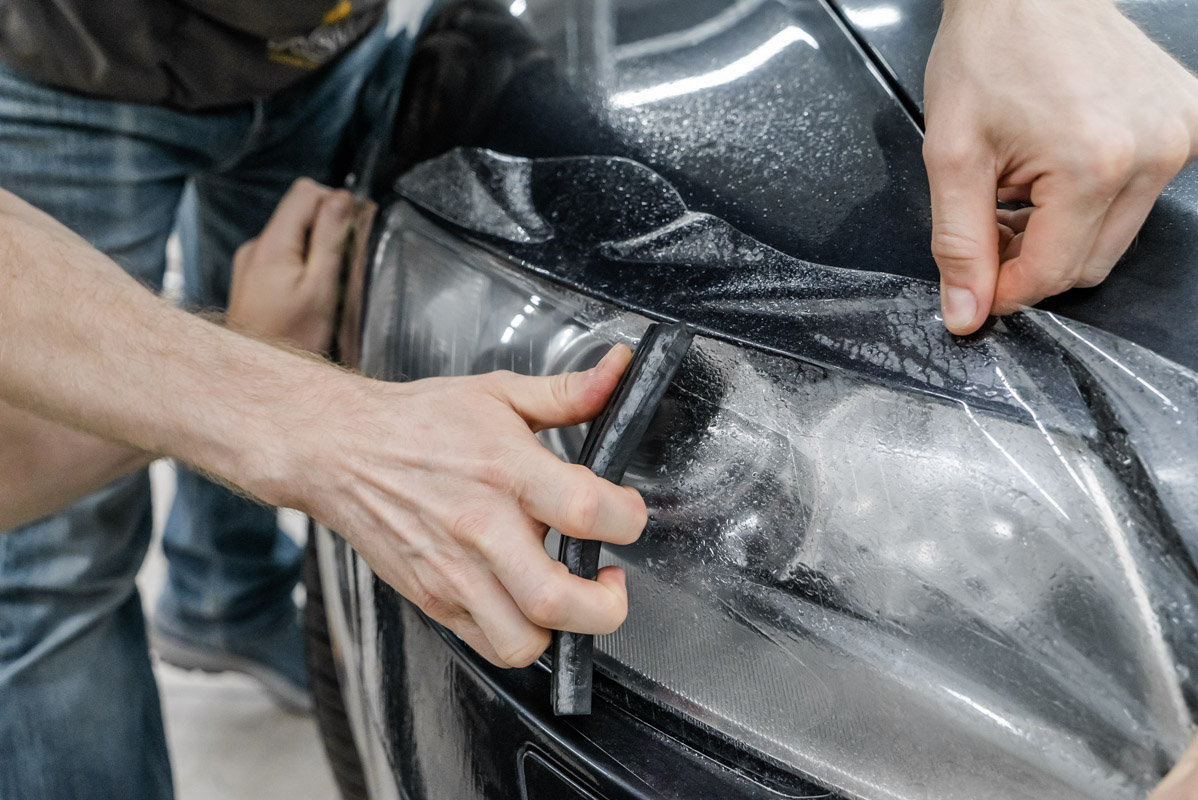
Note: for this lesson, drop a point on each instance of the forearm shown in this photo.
(81, 343)
(44, 465)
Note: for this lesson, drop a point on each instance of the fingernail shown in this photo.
(960, 307)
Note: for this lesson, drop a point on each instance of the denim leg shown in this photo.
(79, 708)
(230, 567)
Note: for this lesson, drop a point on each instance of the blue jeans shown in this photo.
(79, 709)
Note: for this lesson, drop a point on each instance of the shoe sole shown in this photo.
(192, 657)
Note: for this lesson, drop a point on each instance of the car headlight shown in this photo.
(898, 592)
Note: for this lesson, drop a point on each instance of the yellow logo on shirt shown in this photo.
(338, 30)
(339, 11)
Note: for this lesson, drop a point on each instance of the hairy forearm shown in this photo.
(82, 344)
(44, 465)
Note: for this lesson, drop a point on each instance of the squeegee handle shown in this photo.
(608, 448)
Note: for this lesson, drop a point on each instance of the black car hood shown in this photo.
(785, 119)
(1152, 295)
(899, 33)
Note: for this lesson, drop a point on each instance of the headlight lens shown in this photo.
(898, 594)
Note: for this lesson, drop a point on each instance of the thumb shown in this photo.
(964, 235)
(566, 399)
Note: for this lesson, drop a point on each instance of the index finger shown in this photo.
(564, 399)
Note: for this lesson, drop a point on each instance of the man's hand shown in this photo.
(442, 487)
(285, 281)
(1182, 781)
(1061, 103)
(440, 484)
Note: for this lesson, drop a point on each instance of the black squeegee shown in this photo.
(608, 448)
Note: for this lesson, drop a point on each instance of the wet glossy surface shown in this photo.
(1046, 603)
(1021, 633)
(900, 32)
(1152, 295)
(768, 115)
(762, 113)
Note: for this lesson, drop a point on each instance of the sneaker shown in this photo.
(274, 657)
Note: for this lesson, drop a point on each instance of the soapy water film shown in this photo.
(901, 578)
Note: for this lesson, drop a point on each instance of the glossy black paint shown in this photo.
(816, 152)
(810, 164)
(463, 729)
(899, 33)
(1151, 297)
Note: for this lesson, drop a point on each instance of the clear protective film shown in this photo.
(905, 567)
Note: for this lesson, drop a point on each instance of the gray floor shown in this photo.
(227, 740)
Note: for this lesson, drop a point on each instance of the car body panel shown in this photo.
(1151, 296)
(770, 125)
(779, 122)
(900, 33)
(1017, 379)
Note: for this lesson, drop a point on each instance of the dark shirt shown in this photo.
(187, 54)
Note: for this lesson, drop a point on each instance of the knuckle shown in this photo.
(1096, 272)
(433, 605)
(496, 379)
(559, 390)
(1172, 149)
(526, 650)
(583, 505)
(496, 384)
(1091, 279)
(955, 249)
(470, 527)
(948, 153)
(455, 586)
(546, 606)
(1048, 284)
(1103, 157)
(507, 472)
(497, 474)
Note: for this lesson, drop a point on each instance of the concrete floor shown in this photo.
(227, 740)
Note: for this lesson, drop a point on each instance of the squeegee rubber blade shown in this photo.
(607, 451)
